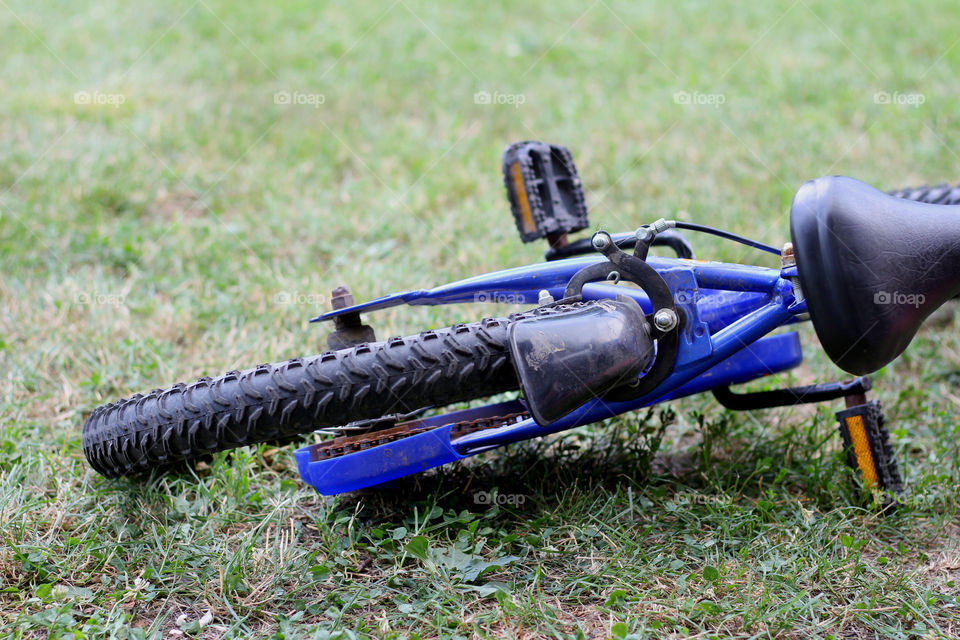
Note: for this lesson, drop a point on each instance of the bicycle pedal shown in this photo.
(868, 448)
(545, 192)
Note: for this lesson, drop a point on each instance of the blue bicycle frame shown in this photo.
(729, 308)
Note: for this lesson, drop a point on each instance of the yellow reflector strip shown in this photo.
(526, 215)
(861, 449)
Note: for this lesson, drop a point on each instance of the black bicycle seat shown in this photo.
(872, 267)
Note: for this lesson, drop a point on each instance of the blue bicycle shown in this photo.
(865, 267)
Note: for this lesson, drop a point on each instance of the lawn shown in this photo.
(183, 183)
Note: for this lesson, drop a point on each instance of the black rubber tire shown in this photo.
(275, 401)
(940, 194)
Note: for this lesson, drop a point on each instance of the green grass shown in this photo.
(157, 240)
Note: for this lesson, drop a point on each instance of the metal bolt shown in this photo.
(665, 319)
(644, 234)
(601, 241)
(787, 257)
(340, 298)
(545, 298)
(797, 291)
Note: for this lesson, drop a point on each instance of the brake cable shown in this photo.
(662, 225)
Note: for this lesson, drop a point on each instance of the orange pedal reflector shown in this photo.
(861, 449)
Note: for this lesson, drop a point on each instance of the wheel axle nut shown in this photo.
(601, 241)
(665, 319)
(341, 298)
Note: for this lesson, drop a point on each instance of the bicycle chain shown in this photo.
(345, 445)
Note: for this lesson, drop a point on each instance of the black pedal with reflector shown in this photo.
(868, 447)
(545, 192)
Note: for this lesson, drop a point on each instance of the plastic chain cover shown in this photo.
(565, 360)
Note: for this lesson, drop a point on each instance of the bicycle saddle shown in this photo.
(872, 267)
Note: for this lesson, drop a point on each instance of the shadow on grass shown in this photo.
(728, 459)
(733, 459)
